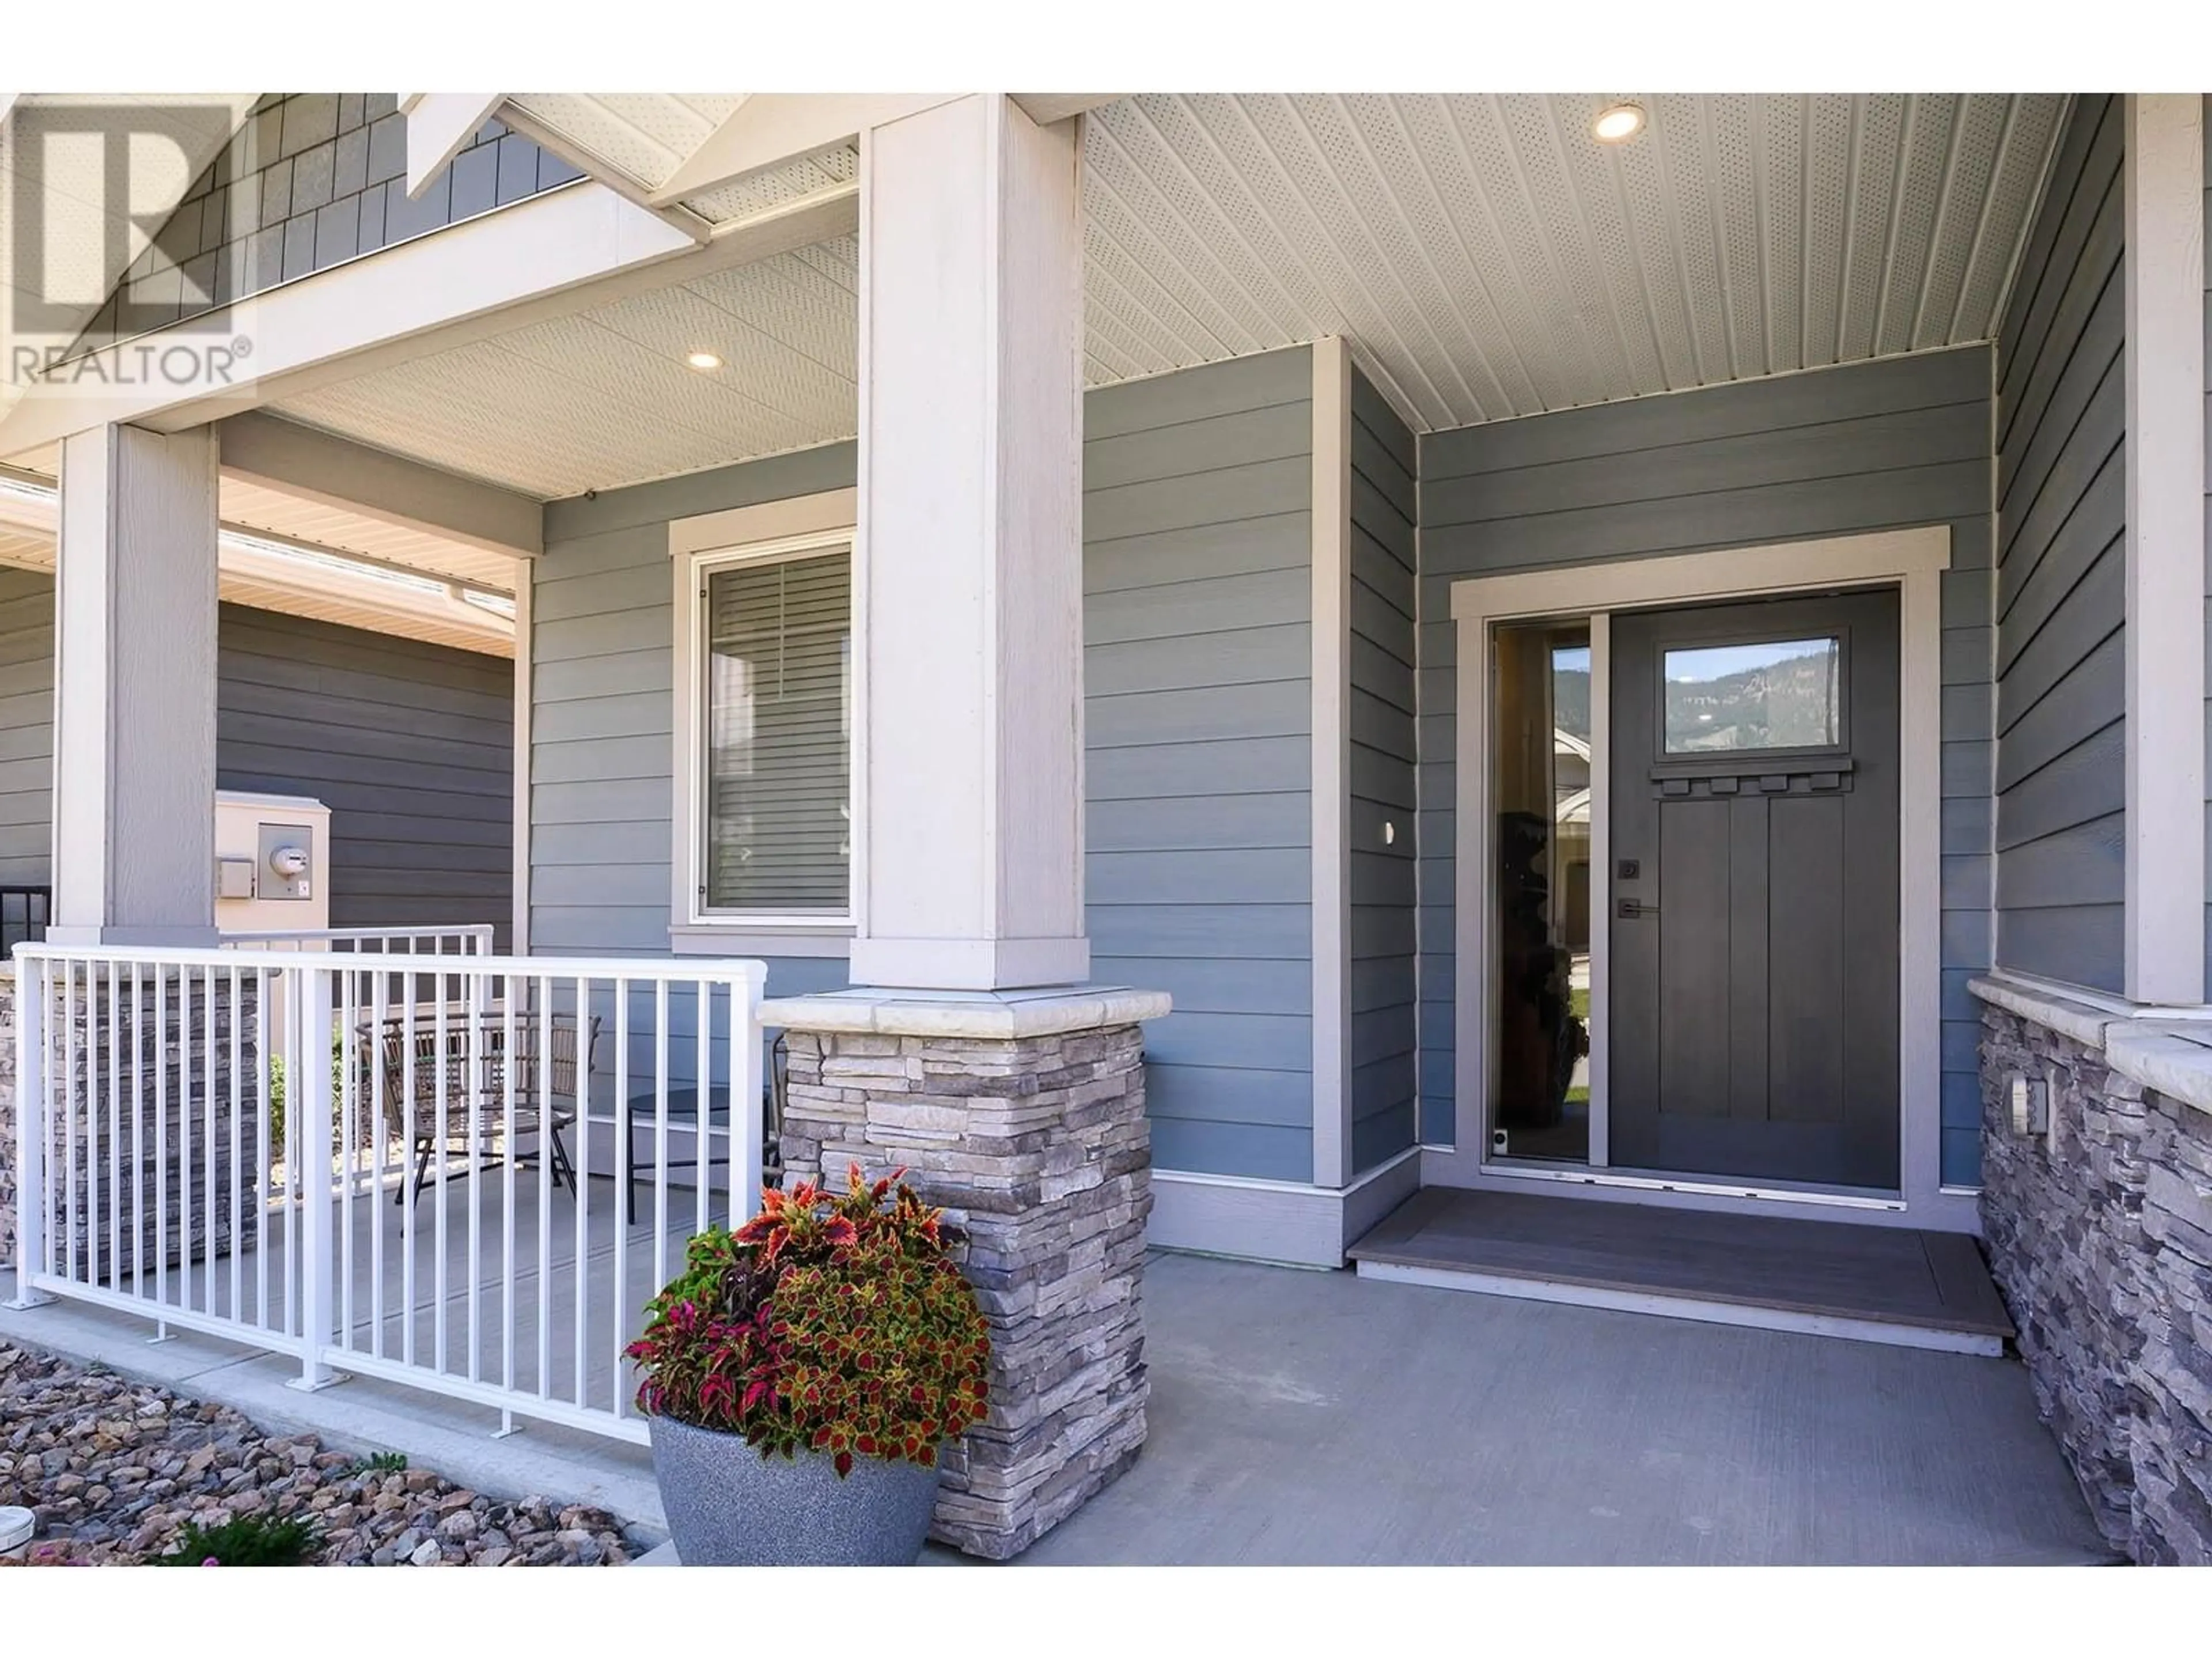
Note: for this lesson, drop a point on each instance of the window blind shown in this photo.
(779, 735)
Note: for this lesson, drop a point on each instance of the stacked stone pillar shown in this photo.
(2099, 1234)
(1023, 1114)
(146, 1107)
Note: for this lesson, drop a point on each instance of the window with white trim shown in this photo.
(773, 733)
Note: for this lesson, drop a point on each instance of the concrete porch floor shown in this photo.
(1308, 1418)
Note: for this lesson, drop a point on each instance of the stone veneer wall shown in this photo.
(2101, 1238)
(1039, 1149)
(112, 1143)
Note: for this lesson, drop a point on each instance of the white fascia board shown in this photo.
(7, 103)
(438, 124)
(551, 255)
(309, 465)
(774, 127)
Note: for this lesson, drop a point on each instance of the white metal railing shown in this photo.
(468, 939)
(428, 1168)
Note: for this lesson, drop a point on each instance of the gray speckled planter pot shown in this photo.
(728, 1506)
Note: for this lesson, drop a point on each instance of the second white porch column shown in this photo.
(968, 576)
(135, 682)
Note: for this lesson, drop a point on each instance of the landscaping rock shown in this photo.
(114, 1469)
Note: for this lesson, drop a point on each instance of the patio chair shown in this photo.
(641, 1116)
(435, 1126)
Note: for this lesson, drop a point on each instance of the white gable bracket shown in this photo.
(773, 127)
(438, 124)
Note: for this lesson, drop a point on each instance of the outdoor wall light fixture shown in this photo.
(703, 361)
(1618, 125)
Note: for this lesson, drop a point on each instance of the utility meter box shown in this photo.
(272, 854)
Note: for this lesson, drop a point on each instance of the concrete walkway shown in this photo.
(1316, 1417)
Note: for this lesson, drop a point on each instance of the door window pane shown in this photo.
(1776, 694)
(779, 694)
(1540, 840)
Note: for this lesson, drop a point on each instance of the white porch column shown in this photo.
(134, 700)
(2163, 175)
(968, 575)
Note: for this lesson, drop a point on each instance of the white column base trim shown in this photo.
(966, 964)
(1293, 1224)
(1683, 1307)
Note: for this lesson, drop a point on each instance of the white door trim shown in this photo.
(1913, 562)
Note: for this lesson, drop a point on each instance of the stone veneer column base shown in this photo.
(2099, 1234)
(1023, 1114)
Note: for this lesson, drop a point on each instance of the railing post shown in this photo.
(33, 1110)
(307, 1109)
(748, 1112)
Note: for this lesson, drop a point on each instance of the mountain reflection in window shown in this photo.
(1776, 694)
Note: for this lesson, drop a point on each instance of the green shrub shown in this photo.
(247, 1540)
(276, 1088)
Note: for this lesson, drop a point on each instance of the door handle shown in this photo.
(1629, 909)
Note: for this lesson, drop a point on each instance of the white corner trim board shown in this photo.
(1331, 789)
(2163, 176)
(1913, 562)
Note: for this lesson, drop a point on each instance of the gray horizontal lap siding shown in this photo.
(1197, 618)
(2061, 595)
(1877, 446)
(411, 745)
(1385, 997)
(26, 729)
(603, 716)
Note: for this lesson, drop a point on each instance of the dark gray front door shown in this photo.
(1753, 891)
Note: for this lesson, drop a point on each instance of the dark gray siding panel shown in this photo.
(2060, 603)
(1198, 595)
(1384, 974)
(27, 728)
(411, 745)
(1875, 446)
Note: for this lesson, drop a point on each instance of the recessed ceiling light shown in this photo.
(703, 361)
(1621, 123)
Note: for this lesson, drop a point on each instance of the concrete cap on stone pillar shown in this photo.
(990, 1015)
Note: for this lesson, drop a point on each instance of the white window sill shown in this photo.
(744, 939)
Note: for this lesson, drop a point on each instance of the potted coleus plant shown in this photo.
(801, 1373)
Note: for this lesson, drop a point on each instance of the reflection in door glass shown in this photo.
(1542, 851)
(1776, 694)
